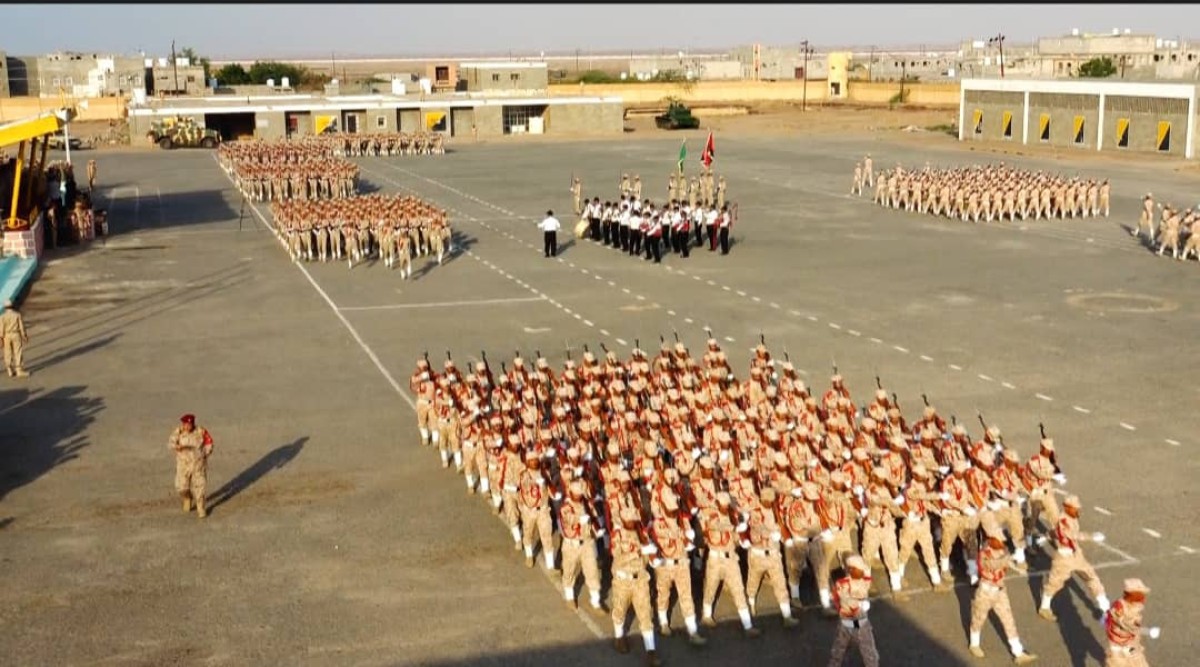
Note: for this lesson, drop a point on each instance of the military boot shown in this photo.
(200, 508)
(187, 501)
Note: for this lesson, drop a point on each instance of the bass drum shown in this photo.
(581, 228)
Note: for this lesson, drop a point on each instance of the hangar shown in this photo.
(280, 116)
(1087, 114)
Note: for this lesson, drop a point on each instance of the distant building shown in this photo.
(75, 75)
(22, 75)
(503, 77)
(443, 77)
(180, 78)
(772, 63)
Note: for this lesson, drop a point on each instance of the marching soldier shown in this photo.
(631, 583)
(535, 511)
(990, 595)
(192, 448)
(673, 537)
(1068, 558)
(577, 195)
(850, 601)
(1123, 627)
(721, 536)
(765, 560)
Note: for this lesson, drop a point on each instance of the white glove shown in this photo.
(585, 519)
(863, 512)
(696, 454)
(898, 500)
(846, 454)
(691, 534)
(723, 456)
(556, 497)
(812, 463)
(776, 536)
(796, 492)
(549, 454)
(970, 511)
(943, 469)
(914, 517)
(510, 489)
(600, 533)
(865, 606)
(745, 544)
(741, 526)
(649, 550)
(944, 496)
(656, 562)
(1155, 632)
(826, 535)
(729, 377)
(995, 505)
(1097, 537)
(789, 542)
(690, 548)
(424, 376)
(695, 511)
(742, 418)
(858, 490)
(1060, 478)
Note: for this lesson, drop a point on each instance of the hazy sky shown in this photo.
(247, 31)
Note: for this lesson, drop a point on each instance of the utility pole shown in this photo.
(871, 64)
(903, 76)
(807, 51)
(999, 40)
(175, 66)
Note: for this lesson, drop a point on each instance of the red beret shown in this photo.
(188, 419)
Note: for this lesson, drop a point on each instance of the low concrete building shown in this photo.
(280, 116)
(1089, 114)
(180, 78)
(503, 77)
(22, 76)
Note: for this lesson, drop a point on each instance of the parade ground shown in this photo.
(335, 538)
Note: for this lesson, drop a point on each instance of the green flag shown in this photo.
(682, 155)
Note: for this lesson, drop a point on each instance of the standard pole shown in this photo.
(67, 140)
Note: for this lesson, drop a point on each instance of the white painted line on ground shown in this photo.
(1081, 409)
(775, 305)
(852, 332)
(725, 287)
(1008, 385)
(1172, 442)
(611, 284)
(1128, 427)
(567, 311)
(728, 339)
(712, 283)
(813, 318)
(626, 290)
(1044, 397)
(443, 304)
(696, 278)
(688, 320)
(604, 332)
(983, 377)
(876, 341)
(834, 325)
(756, 299)
(925, 357)
(956, 367)
(739, 292)
(1187, 550)
(1102, 511)
(589, 323)
(622, 341)
(578, 316)
(1152, 533)
(671, 313)
(794, 312)
(641, 298)
(900, 349)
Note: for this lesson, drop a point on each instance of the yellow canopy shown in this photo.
(40, 125)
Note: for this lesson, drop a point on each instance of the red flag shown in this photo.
(709, 151)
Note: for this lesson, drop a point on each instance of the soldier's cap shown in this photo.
(1072, 501)
(629, 516)
(780, 409)
(1136, 586)
(188, 419)
(542, 363)
(421, 363)
(1048, 444)
(918, 470)
(780, 459)
(881, 394)
(746, 465)
(959, 429)
(868, 423)
(993, 432)
(837, 478)
(880, 472)
(723, 499)
(894, 413)
(772, 434)
(836, 378)
(961, 466)
(680, 348)
(859, 453)
(589, 357)
(810, 491)
(767, 495)
(712, 342)
(623, 477)
(898, 442)
(518, 361)
(856, 562)
(930, 412)
(1011, 455)
(613, 449)
(787, 366)
(8, 303)
(577, 488)
(531, 456)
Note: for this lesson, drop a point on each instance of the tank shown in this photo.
(677, 117)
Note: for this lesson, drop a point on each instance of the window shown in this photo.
(191, 79)
(1157, 57)
(381, 122)
(1006, 122)
(495, 77)
(514, 76)
(56, 82)
(1077, 139)
(1122, 133)
(69, 81)
(978, 116)
(441, 73)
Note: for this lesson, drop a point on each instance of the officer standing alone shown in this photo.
(550, 227)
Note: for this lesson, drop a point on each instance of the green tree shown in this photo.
(232, 74)
(262, 70)
(1097, 68)
(190, 53)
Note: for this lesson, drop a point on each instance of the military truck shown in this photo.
(182, 132)
(677, 117)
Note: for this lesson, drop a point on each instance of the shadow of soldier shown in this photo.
(276, 458)
(39, 432)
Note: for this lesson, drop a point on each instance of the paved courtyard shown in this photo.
(336, 539)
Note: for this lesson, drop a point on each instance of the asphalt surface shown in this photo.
(335, 539)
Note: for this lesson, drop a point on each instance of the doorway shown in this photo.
(1044, 127)
(1164, 136)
